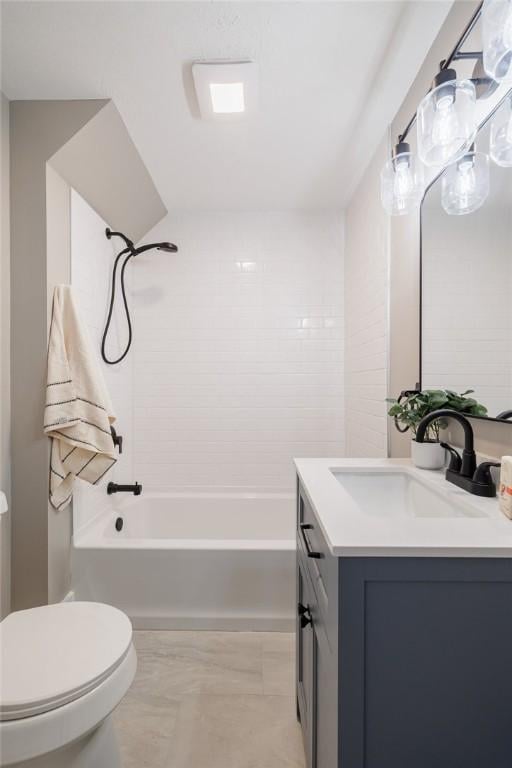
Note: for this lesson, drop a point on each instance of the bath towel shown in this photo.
(78, 411)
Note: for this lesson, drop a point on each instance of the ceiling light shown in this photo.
(465, 184)
(225, 89)
(501, 135)
(497, 39)
(401, 181)
(446, 119)
(227, 98)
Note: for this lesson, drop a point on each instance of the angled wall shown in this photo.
(55, 145)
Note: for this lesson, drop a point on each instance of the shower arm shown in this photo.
(129, 243)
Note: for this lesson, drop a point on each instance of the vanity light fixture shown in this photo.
(401, 181)
(465, 184)
(225, 89)
(497, 39)
(446, 119)
(501, 135)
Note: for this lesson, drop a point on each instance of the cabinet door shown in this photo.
(306, 668)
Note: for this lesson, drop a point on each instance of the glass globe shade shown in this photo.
(446, 121)
(497, 39)
(501, 135)
(401, 184)
(465, 184)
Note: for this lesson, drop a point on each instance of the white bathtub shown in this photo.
(183, 561)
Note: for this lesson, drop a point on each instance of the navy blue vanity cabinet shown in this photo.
(402, 662)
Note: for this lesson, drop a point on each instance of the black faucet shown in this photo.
(115, 488)
(505, 414)
(462, 470)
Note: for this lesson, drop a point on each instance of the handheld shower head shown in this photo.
(130, 247)
(127, 252)
(167, 247)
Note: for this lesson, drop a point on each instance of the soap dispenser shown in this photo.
(505, 489)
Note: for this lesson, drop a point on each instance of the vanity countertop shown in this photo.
(352, 532)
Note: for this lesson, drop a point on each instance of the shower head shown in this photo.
(130, 247)
(167, 247)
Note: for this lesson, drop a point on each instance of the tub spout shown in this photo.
(115, 488)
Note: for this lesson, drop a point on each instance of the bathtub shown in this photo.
(192, 561)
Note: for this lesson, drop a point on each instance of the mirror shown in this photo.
(466, 293)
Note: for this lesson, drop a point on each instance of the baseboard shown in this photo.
(216, 623)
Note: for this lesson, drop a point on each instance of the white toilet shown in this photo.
(63, 670)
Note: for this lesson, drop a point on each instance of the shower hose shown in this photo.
(111, 308)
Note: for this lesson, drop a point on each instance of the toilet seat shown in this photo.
(55, 654)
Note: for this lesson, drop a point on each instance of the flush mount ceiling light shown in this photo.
(497, 39)
(401, 181)
(446, 119)
(465, 184)
(225, 89)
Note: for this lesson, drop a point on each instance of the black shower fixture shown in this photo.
(129, 251)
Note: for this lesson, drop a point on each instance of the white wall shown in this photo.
(238, 360)
(92, 257)
(366, 317)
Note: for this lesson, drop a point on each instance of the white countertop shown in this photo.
(350, 532)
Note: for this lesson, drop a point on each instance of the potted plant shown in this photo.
(411, 407)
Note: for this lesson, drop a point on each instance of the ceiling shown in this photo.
(320, 65)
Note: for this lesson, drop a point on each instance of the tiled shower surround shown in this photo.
(238, 349)
(92, 256)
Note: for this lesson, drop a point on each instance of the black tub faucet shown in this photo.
(463, 470)
(115, 488)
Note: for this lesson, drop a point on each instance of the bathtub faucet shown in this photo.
(115, 488)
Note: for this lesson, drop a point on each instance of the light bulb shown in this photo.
(404, 183)
(504, 134)
(465, 183)
(401, 181)
(445, 126)
(501, 135)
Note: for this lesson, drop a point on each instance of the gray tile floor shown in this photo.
(211, 700)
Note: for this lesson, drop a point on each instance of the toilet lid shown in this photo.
(54, 654)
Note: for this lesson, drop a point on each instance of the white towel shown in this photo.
(78, 411)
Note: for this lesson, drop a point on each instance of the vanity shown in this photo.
(404, 619)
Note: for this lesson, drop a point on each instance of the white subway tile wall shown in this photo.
(92, 257)
(238, 349)
(366, 323)
(467, 317)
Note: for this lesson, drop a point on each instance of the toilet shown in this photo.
(63, 670)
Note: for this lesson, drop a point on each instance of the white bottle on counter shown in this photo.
(505, 489)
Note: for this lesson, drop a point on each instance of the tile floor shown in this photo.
(211, 700)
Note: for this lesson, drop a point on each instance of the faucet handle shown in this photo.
(117, 439)
(483, 473)
(455, 458)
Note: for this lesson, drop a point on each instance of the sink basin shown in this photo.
(397, 494)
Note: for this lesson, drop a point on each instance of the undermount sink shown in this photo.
(397, 494)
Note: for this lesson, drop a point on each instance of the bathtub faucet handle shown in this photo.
(117, 439)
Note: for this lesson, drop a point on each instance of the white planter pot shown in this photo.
(428, 455)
